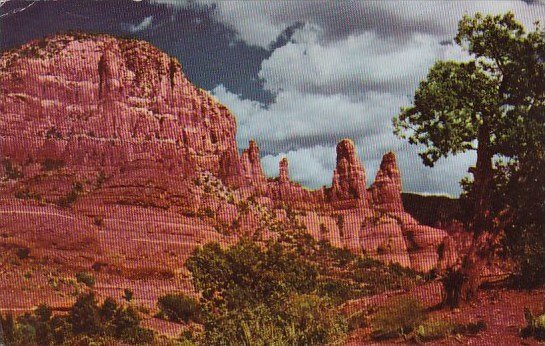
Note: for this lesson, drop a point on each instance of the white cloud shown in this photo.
(345, 73)
(260, 22)
(297, 120)
(353, 64)
(319, 160)
(143, 25)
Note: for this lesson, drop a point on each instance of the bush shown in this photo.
(398, 319)
(22, 253)
(52, 164)
(245, 274)
(266, 295)
(337, 290)
(434, 330)
(84, 316)
(535, 326)
(86, 278)
(359, 319)
(86, 324)
(179, 307)
(306, 320)
(315, 320)
(471, 328)
(128, 294)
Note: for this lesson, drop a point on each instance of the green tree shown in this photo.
(492, 104)
(84, 315)
(247, 274)
(179, 307)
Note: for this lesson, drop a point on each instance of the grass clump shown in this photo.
(398, 319)
(434, 330)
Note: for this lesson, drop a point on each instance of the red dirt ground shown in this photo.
(501, 309)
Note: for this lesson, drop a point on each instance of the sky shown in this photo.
(298, 75)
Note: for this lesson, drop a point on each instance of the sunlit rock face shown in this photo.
(95, 101)
(92, 122)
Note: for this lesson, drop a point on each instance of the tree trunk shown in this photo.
(462, 283)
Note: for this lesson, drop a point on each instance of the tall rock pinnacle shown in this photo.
(283, 175)
(251, 164)
(386, 190)
(349, 175)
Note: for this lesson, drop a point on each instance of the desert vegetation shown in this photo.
(87, 323)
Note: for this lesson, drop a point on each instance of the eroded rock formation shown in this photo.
(104, 126)
(386, 190)
(348, 176)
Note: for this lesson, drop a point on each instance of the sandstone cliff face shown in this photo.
(97, 101)
(94, 123)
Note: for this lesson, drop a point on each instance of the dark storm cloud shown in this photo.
(205, 47)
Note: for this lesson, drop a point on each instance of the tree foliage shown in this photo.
(245, 274)
(89, 321)
(493, 103)
(262, 294)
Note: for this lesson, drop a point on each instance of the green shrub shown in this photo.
(108, 309)
(535, 326)
(84, 316)
(8, 327)
(128, 294)
(471, 328)
(248, 326)
(337, 290)
(304, 320)
(315, 320)
(22, 253)
(266, 295)
(179, 307)
(434, 330)
(398, 319)
(72, 196)
(86, 278)
(246, 274)
(12, 171)
(98, 221)
(50, 164)
(359, 319)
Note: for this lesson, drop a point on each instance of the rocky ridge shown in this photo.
(98, 126)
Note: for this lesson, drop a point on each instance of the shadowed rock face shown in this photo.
(92, 122)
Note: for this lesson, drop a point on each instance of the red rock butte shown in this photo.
(95, 127)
